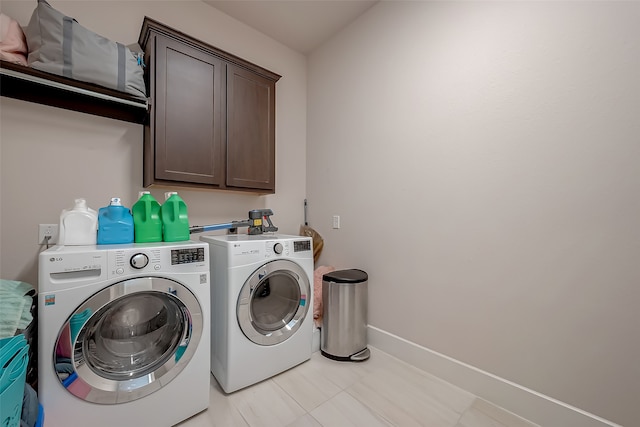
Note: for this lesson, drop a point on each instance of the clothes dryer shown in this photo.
(262, 308)
(124, 333)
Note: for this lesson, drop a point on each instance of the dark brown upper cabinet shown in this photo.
(212, 115)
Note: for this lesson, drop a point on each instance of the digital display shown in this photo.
(301, 246)
(186, 256)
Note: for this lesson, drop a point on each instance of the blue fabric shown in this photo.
(29, 407)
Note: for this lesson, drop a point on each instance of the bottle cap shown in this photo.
(169, 194)
(81, 204)
(142, 193)
(115, 201)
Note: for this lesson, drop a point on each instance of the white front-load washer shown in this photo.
(124, 333)
(262, 308)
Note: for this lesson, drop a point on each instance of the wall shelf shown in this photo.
(28, 84)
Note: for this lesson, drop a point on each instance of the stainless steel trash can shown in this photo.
(344, 315)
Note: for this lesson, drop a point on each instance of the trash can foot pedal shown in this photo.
(360, 356)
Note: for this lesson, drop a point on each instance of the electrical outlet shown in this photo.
(47, 230)
(336, 221)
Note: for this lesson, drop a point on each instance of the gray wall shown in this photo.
(484, 159)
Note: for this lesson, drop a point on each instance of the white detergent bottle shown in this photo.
(78, 225)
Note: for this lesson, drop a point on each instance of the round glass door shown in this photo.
(273, 302)
(118, 345)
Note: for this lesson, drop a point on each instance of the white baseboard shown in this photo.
(534, 406)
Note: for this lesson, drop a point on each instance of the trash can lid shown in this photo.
(346, 276)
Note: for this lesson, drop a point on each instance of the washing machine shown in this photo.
(262, 308)
(123, 333)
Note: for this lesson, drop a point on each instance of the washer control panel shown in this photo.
(80, 265)
(184, 258)
(187, 255)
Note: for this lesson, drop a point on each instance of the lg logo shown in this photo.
(52, 259)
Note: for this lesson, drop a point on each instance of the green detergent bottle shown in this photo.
(147, 223)
(175, 221)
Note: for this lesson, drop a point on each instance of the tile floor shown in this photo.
(382, 391)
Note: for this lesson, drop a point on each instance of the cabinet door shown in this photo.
(188, 117)
(250, 130)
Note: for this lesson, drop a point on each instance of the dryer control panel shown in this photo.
(301, 245)
(243, 249)
(287, 248)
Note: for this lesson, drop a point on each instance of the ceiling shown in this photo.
(301, 25)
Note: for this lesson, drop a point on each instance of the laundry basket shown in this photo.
(344, 319)
(14, 358)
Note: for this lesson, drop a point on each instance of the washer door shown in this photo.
(273, 302)
(128, 340)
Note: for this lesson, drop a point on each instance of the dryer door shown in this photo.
(273, 302)
(128, 340)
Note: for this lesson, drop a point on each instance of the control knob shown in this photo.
(139, 261)
(277, 248)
